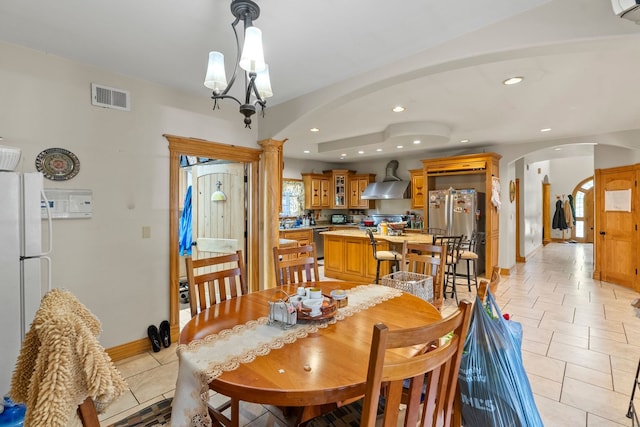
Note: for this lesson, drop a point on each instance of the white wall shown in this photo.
(531, 198)
(121, 277)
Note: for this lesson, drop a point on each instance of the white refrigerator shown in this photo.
(25, 269)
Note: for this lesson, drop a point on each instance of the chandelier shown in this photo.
(257, 84)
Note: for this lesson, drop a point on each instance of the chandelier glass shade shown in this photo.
(250, 59)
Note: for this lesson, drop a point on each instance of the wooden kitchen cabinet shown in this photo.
(340, 188)
(316, 191)
(357, 184)
(351, 258)
(304, 236)
(417, 189)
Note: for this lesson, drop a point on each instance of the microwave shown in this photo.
(338, 219)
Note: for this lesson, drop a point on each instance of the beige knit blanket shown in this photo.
(61, 363)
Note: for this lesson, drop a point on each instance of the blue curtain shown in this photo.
(185, 225)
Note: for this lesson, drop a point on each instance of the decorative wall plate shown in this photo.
(57, 164)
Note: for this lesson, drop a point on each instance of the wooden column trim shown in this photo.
(271, 184)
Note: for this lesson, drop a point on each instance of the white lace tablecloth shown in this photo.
(201, 361)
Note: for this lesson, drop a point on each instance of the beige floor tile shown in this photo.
(615, 347)
(536, 334)
(591, 376)
(166, 355)
(570, 340)
(543, 366)
(565, 327)
(580, 356)
(535, 347)
(556, 414)
(125, 402)
(596, 421)
(137, 364)
(545, 387)
(599, 401)
(154, 382)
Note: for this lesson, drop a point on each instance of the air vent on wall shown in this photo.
(108, 97)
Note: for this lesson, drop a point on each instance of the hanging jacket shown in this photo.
(559, 221)
(567, 214)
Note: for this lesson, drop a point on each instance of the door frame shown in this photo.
(201, 148)
(599, 261)
(587, 214)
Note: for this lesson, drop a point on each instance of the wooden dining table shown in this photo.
(314, 373)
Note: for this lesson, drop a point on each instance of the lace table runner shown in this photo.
(202, 361)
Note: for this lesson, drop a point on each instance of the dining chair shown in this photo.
(453, 253)
(424, 258)
(61, 363)
(212, 281)
(296, 264)
(469, 254)
(426, 382)
(492, 284)
(215, 279)
(379, 256)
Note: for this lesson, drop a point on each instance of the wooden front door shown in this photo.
(616, 234)
(584, 213)
(218, 226)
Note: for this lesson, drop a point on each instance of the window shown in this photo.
(292, 197)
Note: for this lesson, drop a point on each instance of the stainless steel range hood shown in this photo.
(386, 190)
(391, 186)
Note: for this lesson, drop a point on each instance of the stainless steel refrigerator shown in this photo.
(21, 258)
(459, 212)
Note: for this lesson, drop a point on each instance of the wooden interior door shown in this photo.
(218, 226)
(616, 240)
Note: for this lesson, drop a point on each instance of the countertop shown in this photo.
(410, 237)
(348, 226)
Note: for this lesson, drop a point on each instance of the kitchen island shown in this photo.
(348, 254)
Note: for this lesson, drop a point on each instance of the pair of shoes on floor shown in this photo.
(160, 337)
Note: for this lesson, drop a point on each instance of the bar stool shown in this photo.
(394, 256)
(469, 253)
(453, 254)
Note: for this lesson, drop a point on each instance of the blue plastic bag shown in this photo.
(493, 383)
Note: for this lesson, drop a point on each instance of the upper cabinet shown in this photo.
(316, 191)
(340, 181)
(483, 169)
(417, 189)
(357, 184)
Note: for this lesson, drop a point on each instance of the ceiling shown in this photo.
(340, 66)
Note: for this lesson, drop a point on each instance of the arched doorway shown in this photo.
(583, 205)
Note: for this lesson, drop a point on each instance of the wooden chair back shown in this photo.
(427, 259)
(296, 264)
(432, 375)
(492, 284)
(88, 414)
(212, 280)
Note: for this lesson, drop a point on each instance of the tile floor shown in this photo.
(581, 345)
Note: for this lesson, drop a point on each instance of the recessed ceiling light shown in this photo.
(399, 146)
(558, 149)
(314, 130)
(545, 130)
(464, 141)
(343, 155)
(378, 149)
(513, 80)
(306, 151)
(398, 109)
(360, 152)
(417, 141)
